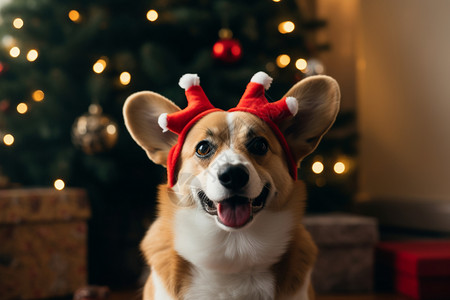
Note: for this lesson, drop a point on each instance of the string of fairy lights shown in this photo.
(125, 77)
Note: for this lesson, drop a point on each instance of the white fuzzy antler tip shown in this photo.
(262, 78)
(162, 122)
(292, 104)
(188, 80)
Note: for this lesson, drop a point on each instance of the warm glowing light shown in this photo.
(125, 78)
(74, 16)
(301, 64)
(14, 52)
(8, 139)
(276, 0)
(18, 23)
(317, 167)
(22, 108)
(339, 167)
(59, 184)
(38, 95)
(283, 60)
(152, 15)
(286, 27)
(32, 55)
(99, 66)
(111, 129)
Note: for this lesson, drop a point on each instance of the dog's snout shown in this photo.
(233, 177)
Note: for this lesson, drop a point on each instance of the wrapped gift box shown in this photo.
(346, 252)
(419, 269)
(43, 249)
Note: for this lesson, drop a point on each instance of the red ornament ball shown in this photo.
(227, 50)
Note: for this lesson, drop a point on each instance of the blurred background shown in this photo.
(66, 68)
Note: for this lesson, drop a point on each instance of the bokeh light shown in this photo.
(59, 184)
(286, 27)
(283, 60)
(152, 15)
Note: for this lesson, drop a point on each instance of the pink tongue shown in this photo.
(232, 214)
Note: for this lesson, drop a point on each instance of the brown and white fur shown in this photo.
(192, 254)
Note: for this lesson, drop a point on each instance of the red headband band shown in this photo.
(253, 101)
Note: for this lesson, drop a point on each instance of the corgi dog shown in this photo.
(229, 218)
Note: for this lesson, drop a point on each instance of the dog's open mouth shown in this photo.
(235, 211)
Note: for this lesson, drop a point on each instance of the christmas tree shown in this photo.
(66, 68)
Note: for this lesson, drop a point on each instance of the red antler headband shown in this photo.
(253, 101)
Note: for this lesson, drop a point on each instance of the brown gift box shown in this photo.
(346, 252)
(43, 242)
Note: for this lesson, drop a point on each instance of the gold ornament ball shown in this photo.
(225, 34)
(94, 132)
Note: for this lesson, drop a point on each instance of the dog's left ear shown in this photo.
(318, 104)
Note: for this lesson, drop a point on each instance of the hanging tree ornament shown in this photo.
(314, 67)
(227, 49)
(94, 132)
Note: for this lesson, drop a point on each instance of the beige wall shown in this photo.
(403, 98)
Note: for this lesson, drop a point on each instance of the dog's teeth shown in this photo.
(257, 204)
(210, 204)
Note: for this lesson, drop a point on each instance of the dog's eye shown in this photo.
(204, 149)
(258, 146)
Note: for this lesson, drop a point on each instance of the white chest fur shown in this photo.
(232, 265)
(252, 284)
(247, 285)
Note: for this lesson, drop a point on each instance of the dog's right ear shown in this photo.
(141, 112)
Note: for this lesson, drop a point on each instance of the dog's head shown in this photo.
(231, 165)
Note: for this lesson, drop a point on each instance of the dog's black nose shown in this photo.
(233, 177)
